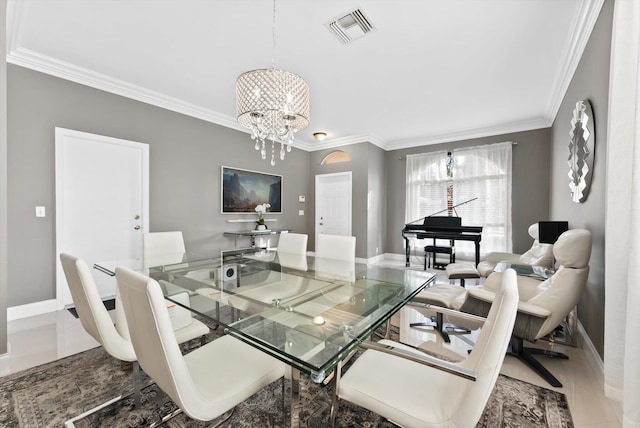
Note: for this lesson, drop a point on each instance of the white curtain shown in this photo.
(482, 172)
(485, 172)
(426, 185)
(622, 229)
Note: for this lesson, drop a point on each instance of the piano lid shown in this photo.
(442, 221)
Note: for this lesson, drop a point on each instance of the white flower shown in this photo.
(262, 208)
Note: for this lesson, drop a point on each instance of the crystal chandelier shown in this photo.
(273, 104)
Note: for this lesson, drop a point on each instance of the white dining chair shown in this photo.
(338, 247)
(413, 389)
(208, 382)
(293, 243)
(160, 248)
(96, 321)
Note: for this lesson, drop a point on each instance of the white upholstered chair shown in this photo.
(163, 248)
(413, 389)
(292, 250)
(96, 320)
(208, 382)
(338, 247)
(293, 243)
(543, 304)
(538, 255)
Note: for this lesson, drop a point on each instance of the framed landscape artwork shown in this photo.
(243, 190)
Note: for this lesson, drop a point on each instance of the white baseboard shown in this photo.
(31, 309)
(5, 361)
(592, 355)
(393, 256)
(374, 260)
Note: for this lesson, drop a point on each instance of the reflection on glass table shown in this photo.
(158, 262)
(537, 272)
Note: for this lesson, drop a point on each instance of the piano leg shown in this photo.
(407, 250)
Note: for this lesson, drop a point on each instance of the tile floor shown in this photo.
(39, 339)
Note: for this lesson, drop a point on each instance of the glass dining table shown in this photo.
(310, 313)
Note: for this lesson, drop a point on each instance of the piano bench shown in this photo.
(462, 271)
(437, 249)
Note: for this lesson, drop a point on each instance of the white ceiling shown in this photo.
(432, 71)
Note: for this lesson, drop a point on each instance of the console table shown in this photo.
(252, 234)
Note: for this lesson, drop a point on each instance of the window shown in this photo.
(482, 172)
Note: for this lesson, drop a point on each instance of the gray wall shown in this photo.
(376, 202)
(185, 159)
(591, 82)
(530, 191)
(359, 167)
(3, 177)
(186, 155)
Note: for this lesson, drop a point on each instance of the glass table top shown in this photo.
(536, 272)
(308, 312)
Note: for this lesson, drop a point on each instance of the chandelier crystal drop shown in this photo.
(273, 104)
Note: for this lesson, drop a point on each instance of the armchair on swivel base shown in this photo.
(525, 354)
(543, 304)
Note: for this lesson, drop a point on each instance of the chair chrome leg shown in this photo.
(136, 384)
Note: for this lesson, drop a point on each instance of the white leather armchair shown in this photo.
(206, 383)
(413, 389)
(96, 320)
(538, 255)
(543, 304)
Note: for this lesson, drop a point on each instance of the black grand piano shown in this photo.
(441, 227)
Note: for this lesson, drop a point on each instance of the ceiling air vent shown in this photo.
(350, 26)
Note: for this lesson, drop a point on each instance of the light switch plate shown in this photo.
(301, 198)
(40, 212)
(300, 212)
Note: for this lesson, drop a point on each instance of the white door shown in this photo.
(333, 204)
(102, 203)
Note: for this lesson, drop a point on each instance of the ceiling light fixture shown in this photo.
(319, 136)
(273, 104)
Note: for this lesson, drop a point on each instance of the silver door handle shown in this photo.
(137, 227)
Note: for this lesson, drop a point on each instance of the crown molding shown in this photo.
(581, 31)
(582, 28)
(468, 134)
(51, 66)
(331, 143)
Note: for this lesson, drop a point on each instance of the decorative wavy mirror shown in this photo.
(581, 151)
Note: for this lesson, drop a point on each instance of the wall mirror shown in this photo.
(581, 151)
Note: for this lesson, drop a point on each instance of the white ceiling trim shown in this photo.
(54, 67)
(470, 133)
(17, 55)
(584, 23)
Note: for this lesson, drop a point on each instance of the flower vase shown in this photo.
(261, 227)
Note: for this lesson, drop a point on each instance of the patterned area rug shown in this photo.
(47, 395)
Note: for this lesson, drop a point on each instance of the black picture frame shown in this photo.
(242, 190)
